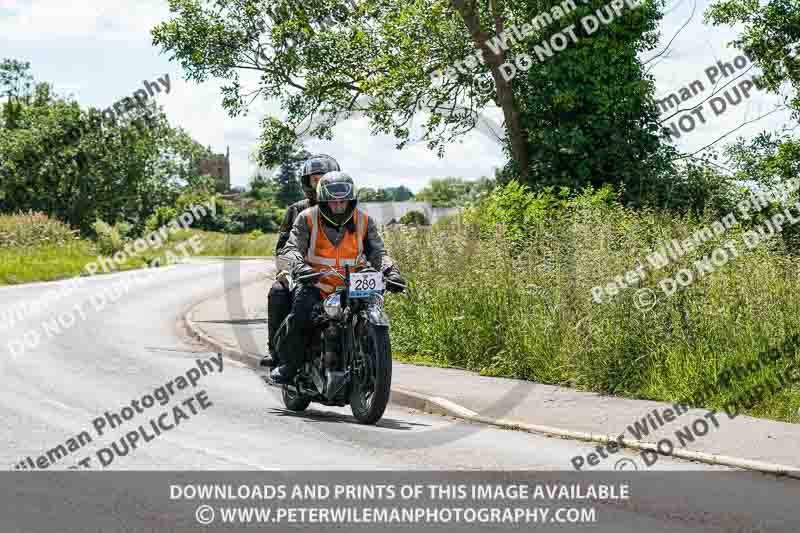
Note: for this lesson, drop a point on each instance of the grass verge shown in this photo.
(524, 309)
(59, 254)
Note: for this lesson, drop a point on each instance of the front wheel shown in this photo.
(373, 374)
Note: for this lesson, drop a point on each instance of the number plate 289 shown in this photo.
(364, 284)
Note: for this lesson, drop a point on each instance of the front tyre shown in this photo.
(294, 401)
(373, 377)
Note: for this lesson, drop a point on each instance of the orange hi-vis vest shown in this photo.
(322, 254)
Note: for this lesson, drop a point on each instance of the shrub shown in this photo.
(34, 229)
(517, 213)
(210, 221)
(160, 218)
(109, 238)
(258, 216)
(416, 218)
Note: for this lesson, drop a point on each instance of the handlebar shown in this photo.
(310, 276)
(332, 270)
(395, 283)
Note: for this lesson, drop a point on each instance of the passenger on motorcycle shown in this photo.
(333, 233)
(279, 302)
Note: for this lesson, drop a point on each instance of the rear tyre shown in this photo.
(294, 401)
(373, 381)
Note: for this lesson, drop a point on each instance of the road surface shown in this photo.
(121, 349)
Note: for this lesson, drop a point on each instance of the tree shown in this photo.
(389, 194)
(368, 194)
(369, 65)
(768, 160)
(593, 117)
(399, 194)
(284, 188)
(771, 38)
(15, 83)
(261, 187)
(66, 162)
(288, 188)
(452, 192)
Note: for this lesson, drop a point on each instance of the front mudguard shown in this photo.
(376, 314)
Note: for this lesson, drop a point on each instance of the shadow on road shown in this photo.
(235, 322)
(321, 416)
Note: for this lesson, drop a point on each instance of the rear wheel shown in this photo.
(295, 401)
(372, 383)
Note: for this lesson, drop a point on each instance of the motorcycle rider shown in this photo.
(279, 302)
(332, 233)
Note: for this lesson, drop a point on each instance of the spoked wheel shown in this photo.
(372, 380)
(295, 401)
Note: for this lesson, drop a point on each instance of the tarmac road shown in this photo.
(114, 351)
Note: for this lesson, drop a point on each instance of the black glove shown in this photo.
(303, 270)
(393, 277)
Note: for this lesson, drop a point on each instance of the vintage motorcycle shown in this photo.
(348, 357)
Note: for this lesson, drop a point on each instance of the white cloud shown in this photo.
(51, 20)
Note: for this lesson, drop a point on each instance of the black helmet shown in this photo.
(318, 164)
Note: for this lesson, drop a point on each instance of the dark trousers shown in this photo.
(279, 304)
(304, 299)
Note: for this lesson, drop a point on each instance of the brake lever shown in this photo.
(395, 283)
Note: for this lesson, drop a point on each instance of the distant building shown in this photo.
(218, 166)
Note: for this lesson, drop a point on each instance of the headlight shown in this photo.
(333, 305)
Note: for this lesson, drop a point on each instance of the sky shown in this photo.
(99, 51)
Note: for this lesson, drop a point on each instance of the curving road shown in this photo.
(115, 350)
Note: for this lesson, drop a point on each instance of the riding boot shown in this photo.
(279, 303)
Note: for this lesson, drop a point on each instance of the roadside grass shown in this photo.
(35, 248)
(420, 360)
(50, 263)
(215, 244)
(525, 309)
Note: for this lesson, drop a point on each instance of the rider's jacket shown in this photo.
(315, 241)
(288, 220)
(322, 253)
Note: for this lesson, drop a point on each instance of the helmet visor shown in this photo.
(338, 191)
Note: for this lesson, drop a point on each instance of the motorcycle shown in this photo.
(348, 357)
